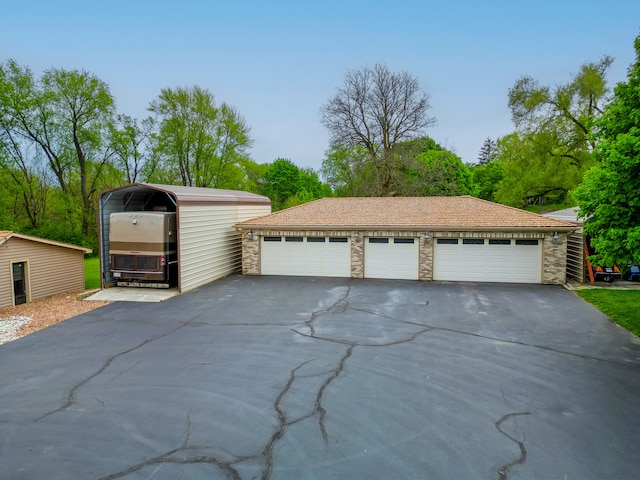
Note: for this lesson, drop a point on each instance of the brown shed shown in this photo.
(33, 268)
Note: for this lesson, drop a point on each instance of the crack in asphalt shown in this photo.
(533, 345)
(323, 388)
(170, 457)
(411, 338)
(341, 305)
(71, 393)
(191, 454)
(503, 471)
(333, 308)
(318, 409)
(267, 451)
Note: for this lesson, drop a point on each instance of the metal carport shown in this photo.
(208, 246)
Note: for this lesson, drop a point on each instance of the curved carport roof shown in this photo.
(151, 196)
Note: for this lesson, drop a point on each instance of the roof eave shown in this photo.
(46, 242)
(430, 228)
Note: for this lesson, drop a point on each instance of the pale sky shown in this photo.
(278, 62)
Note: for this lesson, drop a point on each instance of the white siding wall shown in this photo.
(247, 212)
(210, 248)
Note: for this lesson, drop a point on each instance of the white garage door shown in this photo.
(488, 260)
(391, 258)
(306, 256)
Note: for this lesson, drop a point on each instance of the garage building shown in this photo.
(208, 247)
(32, 268)
(416, 238)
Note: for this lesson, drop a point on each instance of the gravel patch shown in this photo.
(9, 327)
(21, 320)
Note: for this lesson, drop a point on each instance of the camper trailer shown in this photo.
(143, 249)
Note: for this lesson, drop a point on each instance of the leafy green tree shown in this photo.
(533, 175)
(287, 185)
(376, 109)
(486, 179)
(553, 145)
(434, 172)
(66, 117)
(418, 167)
(609, 197)
(346, 170)
(282, 181)
(566, 110)
(129, 139)
(85, 110)
(197, 143)
(253, 175)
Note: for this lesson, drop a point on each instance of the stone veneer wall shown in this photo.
(250, 254)
(554, 256)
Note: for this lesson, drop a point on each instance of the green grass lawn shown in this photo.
(91, 273)
(621, 306)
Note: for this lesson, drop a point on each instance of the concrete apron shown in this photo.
(134, 294)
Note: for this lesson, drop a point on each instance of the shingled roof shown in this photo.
(5, 235)
(446, 213)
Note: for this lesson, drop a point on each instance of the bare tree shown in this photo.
(376, 109)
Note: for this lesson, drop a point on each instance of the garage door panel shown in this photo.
(488, 262)
(306, 258)
(393, 259)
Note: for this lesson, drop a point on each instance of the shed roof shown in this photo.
(446, 213)
(198, 195)
(5, 235)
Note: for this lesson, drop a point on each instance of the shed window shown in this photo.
(293, 239)
(272, 239)
(403, 240)
(526, 242)
(473, 241)
(378, 240)
(316, 239)
(447, 241)
(338, 240)
(499, 242)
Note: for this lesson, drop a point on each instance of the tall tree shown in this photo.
(130, 139)
(487, 152)
(609, 197)
(530, 174)
(376, 109)
(568, 111)
(197, 143)
(553, 145)
(83, 107)
(66, 116)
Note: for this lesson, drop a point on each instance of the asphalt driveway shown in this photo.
(291, 378)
